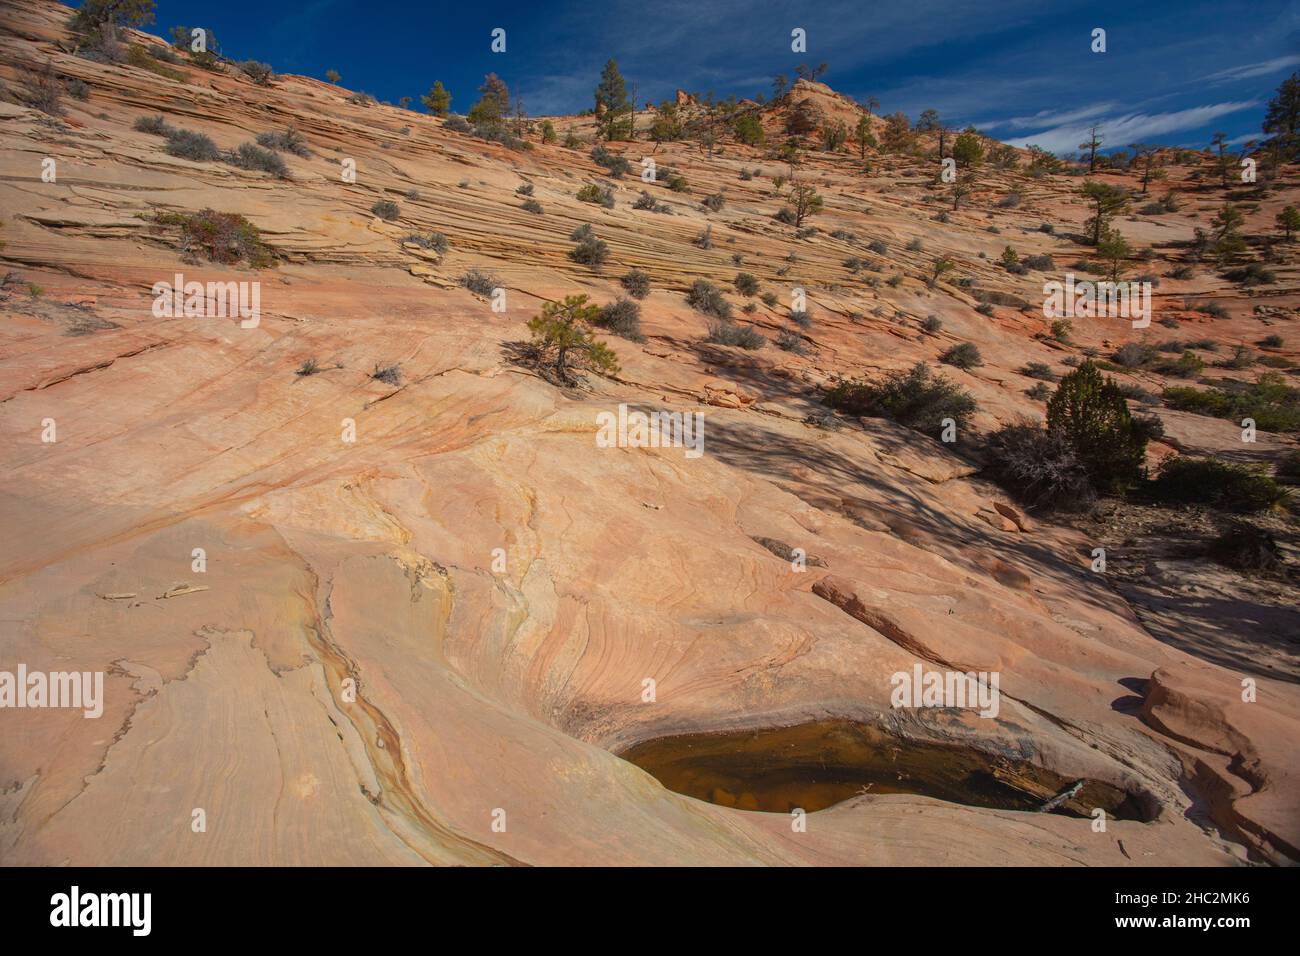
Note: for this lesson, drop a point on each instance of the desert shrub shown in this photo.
(725, 332)
(1039, 392)
(248, 156)
(623, 318)
(1132, 355)
(1251, 274)
(1041, 468)
(259, 73)
(1039, 370)
(769, 299)
(597, 195)
(1181, 273)
(704, 296)
(617, 165)
(78, 89)
(914, 398)
(984, 308)
(932, 324)
(637, 283)
(533, 206)
(582, 232)
(457, 124)
(1148, 427)
(1061, 330)
(648, 202)
(188, 144)
(1041, 263)
(1244, 547)
(1213, 309)
(746, 284)
(156, 125)
(1187, 365)
(524, 190)
(714, 202)
(361, 98)
(287, 141)
(1208, 481)
(1288, 466)
(480, 282)
(1274, 405)
(1242, 357)
(388, 374)
(434, 240)
(386, 209)
(786, 215)
(591, 251)
(801, 319)
(878, 247)
(915, 245)
(964, 355)
(223, 237)
(789, 341)
(308, 367)
(1135, 392)
(1271, 342)
(1094, 417)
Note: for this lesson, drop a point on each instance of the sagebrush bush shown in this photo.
(964, 355)
(287, 141)
(623, 318)
(156, 125)
(595, 194)
(725, 332)
(434, 240)
(388, 374)
(480, 282)
(914, 398)
(706, 297)
(1208, 481)
(188, 144)
(590, 252)
(248, 156)
(533, 206)
(1039, 370)
(386, 209)
(790, 341)
(223, 237)
(615, 163)
(746, 284)
(259, 73)
(1041, 468)
(637, 283)
(932, 324)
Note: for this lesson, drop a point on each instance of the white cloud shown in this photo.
(1135, 127)
(1250, 70)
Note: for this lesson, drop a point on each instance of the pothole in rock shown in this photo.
(816, 765)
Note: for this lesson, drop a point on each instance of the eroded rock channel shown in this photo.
(816, 765)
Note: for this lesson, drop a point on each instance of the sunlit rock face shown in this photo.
(347, 616)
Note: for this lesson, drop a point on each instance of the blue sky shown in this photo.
(1175, 71)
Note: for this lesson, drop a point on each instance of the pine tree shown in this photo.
(563, 342)
(1282, 121)
(1093, 416)
(1107, 200)
(611, 94)
(1288, 220)
(437, 101)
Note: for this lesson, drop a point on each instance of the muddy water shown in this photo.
(819, 764)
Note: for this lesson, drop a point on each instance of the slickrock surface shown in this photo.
(482, 688)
